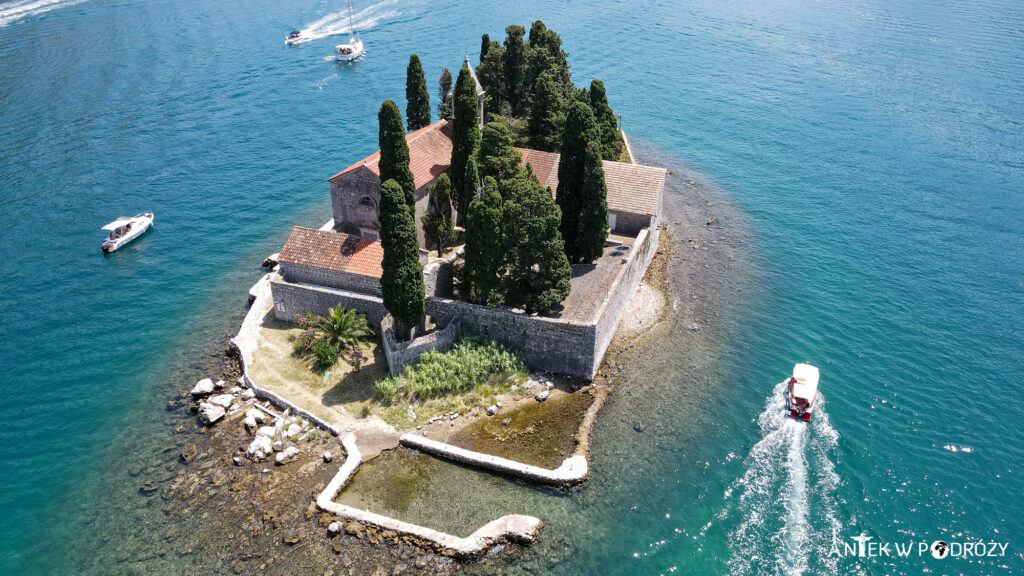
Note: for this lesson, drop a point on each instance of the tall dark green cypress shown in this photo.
(465, 134)
(394, 152)
(538, 271)
(547, 113)
(580, 129)
(485, 45)
(401, 283)
(491, 74)
(514, 65)
(481, 277)
(545, 53)
(592, 230)
(497, 157)
(417, 98)
(444, 89)
(470, 185)
(611, 138)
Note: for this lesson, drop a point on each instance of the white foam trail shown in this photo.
(21, 9)
(777, 502)
(337, 22)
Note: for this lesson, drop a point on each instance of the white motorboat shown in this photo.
(294, 37)
(354, 47)
(803, 388)
(125, 229)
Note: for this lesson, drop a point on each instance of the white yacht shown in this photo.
(125, 229)
(294, 37)
(354, 47)
(803, 387)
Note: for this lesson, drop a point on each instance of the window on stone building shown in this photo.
(367, 201)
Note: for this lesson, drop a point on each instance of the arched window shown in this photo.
(368, 202)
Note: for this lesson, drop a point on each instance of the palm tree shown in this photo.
(342, 328)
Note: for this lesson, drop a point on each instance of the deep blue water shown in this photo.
(875, 148)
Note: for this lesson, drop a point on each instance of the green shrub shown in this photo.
(471, 362)
(325, 354)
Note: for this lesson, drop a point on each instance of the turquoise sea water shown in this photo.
(875, 149)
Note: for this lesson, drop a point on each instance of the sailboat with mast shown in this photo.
(354, 47)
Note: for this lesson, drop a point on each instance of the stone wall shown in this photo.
(437, 279)
(402, 354)
(292, 298)
(628, 223)
(302, 274)
(561, 346)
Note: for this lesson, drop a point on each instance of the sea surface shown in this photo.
(870, 155)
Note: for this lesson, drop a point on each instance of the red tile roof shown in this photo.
(430, 153)
(333, 251)
(631, 187)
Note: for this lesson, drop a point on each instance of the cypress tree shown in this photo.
(538, 271)
(580, 129)
(611, 138)
(498, 158)
(465, 134)
(394, 152)
(545, 53)
(514, 65)
(444, 90)
(485, 45)
(402, 280)
(481, 280)
(491, 73)
(547, 113)
(417, 98)
(471, 183)
(437, 222)
(593, 222)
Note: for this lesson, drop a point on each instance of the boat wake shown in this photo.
(337, 22)
(785, 504)
(22, 9)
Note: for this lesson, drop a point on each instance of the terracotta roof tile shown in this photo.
(333, 251)
(430, 153)
(631, 187)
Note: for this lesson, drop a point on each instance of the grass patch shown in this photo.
(471, 363)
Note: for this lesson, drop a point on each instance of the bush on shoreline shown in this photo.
(471, 362)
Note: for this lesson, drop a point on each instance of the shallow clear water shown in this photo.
(875, 150)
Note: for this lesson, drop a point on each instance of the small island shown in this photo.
(462, 298)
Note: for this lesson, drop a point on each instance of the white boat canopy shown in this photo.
(122, 221)
(806, 381)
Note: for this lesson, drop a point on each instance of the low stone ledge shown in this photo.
(515, 527)
(573, 470)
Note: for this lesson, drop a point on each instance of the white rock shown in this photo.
(287, 455)
(249, 394)
(334, 528)
(235, 390)
(203, 387)
(267, 432)
(260, 445)
(250, 422)
(328, 456)
(549, 385)
(220, 384)
(454, 416)
(210, 413)
(237, 460)
(256, 414)
(222, 400)
(498, 404)
(293, 430)
(543, 395)
(277, 446)
(492, 410)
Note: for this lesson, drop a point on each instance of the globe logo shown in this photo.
(940, 549)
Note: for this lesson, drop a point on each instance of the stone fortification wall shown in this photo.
(631, 224)
(291, 299)
(622, 291)
(437, 279)
(402, 354)
(302, 274)
(561, 346)
(547, 344)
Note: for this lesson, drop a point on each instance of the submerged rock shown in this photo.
(292, 536)
(188, 453)
(203, 387)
